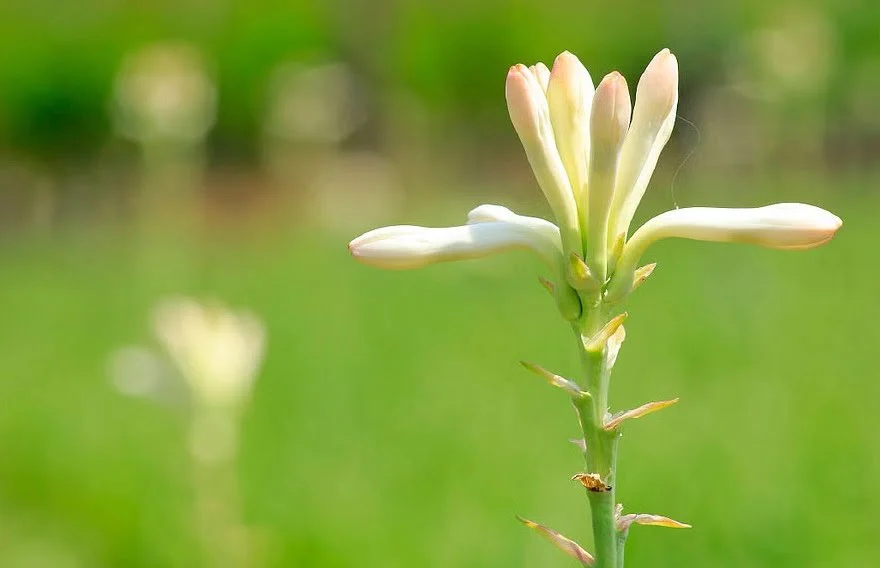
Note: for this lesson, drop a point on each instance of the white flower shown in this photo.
(593, 165)
(218, 351)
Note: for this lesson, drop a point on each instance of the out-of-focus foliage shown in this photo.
(801, 61)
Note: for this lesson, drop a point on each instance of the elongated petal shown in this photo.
(652, 123)
(570, 95)
(780, 226)
(609, 120)
(405, 247)
(786, 226)
(530, 115)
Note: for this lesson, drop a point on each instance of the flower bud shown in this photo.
(609, 120)
(405, 247)
(569, 96)
(779, 226)
(787, 226)
(530, 115)
(653, 119)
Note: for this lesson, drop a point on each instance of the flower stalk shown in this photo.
(593, 154)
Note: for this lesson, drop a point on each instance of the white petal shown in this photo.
(653, 120)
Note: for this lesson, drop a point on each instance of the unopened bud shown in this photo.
(652, 123)
(609, 121)
(569, 96)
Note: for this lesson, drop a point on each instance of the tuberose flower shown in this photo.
(593, 155)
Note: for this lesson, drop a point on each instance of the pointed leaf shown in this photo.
(561, 542)
(596, 343)
(624, 521)
(555, 380)
(638, 412)
(580, 443)
(641, 274)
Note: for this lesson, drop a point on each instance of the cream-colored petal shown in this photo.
(570, 96)
(609, 120)
(652, 123)
(530, 115)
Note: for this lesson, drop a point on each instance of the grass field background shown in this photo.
(392, 426)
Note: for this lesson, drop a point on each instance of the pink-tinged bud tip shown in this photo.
(611, 110)
(658, 86)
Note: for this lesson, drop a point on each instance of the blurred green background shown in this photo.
(229, 150)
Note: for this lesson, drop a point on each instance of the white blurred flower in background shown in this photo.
(312, 110)
(214, 352)
(164, 92)
(217, 350)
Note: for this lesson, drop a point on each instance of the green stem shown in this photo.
(601, 454)
(621, 546)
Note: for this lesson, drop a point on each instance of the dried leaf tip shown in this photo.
(625, 521)
(597, 343)
(561, 542)
(592, 482)
(643, 410)
(555, 380)
(642, 273)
